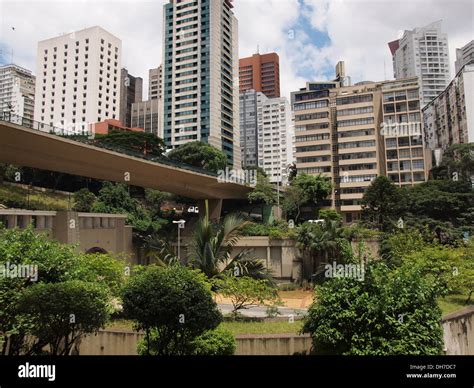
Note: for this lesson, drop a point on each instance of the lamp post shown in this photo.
(180, 224)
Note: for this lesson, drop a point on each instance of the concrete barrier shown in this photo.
(458, 329)
(120, 342)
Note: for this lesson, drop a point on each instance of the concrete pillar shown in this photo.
(215, 208)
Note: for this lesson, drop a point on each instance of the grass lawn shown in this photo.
(452, 303)
(237, 328)
(38, 200)
(282, 327)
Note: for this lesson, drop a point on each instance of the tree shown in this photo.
(46, 261)
(143, 143)
(244, 291)
(62, 313)
(329, 215)
(387, 313)
(322, 243)
(173, 305)
(263, 192)
(83, 200)
(292, 172)
(211, 248)
(457, 163)
(382, 203)
(306, 190)
(201, 155)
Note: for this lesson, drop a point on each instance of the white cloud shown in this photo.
(359, 31)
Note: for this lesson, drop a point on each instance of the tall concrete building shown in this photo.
(352, 134)
(260, 73)
(155, 83)
(17, 91)
(464, 55)
(148, 116)
(200, 69)
(423, 53)
(78, 79)
(275, 138)
(449, 118)
(250, 100)
(131, 91)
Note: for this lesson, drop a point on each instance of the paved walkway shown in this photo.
(261, 311)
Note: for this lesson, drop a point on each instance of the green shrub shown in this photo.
(218, 342)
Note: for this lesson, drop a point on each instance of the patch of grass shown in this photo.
(452, 303)
(237, 328)
(17, 197)
(280, 327)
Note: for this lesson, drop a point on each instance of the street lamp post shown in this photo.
(180, 224)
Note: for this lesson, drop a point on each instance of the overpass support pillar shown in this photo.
(215, 209)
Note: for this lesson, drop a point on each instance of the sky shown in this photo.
(310, 36)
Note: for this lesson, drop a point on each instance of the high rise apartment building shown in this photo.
(449, 118)
(464, 55)
(131, 91)
(275, 138)
(200, 68)
(338, 133)
(17, 91)
(260, 73)
(78, 79)
(423, 53)
(155, 83)
(249, 103)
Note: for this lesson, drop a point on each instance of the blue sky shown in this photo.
(310, 36)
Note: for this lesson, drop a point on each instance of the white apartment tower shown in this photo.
(17, 92)
(200, 75)
(275, 137)
(423, 53)
(78, 79)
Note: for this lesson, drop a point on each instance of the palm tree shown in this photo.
(212, 246)
(320, 242)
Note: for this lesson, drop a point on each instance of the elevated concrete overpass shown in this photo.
(28, 147)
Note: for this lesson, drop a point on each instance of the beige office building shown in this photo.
(353, 134)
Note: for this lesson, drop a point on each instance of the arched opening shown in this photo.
(96, 250)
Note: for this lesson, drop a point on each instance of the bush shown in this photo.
(218, 342)
(173, 305)
(83, 200)
(61, 313)
(388, 313)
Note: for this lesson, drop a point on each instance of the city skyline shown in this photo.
(308, 35)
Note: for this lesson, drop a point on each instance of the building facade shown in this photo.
(17, 91)
(78, 79)
(131, 91)
(147, 115)
(275, 138)
(464, 55)
(155, 83)
(109, 125)
(352, 134)
(200, 69)
(449, 118)
(249, 102)
(260, 73)
(423, 53)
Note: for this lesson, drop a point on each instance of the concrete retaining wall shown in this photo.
(113, 342)
(458, 331)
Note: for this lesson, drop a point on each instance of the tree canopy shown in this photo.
(200, 154)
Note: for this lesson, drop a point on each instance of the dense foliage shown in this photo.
(388, 313)
(201, 155)
(172, 305)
